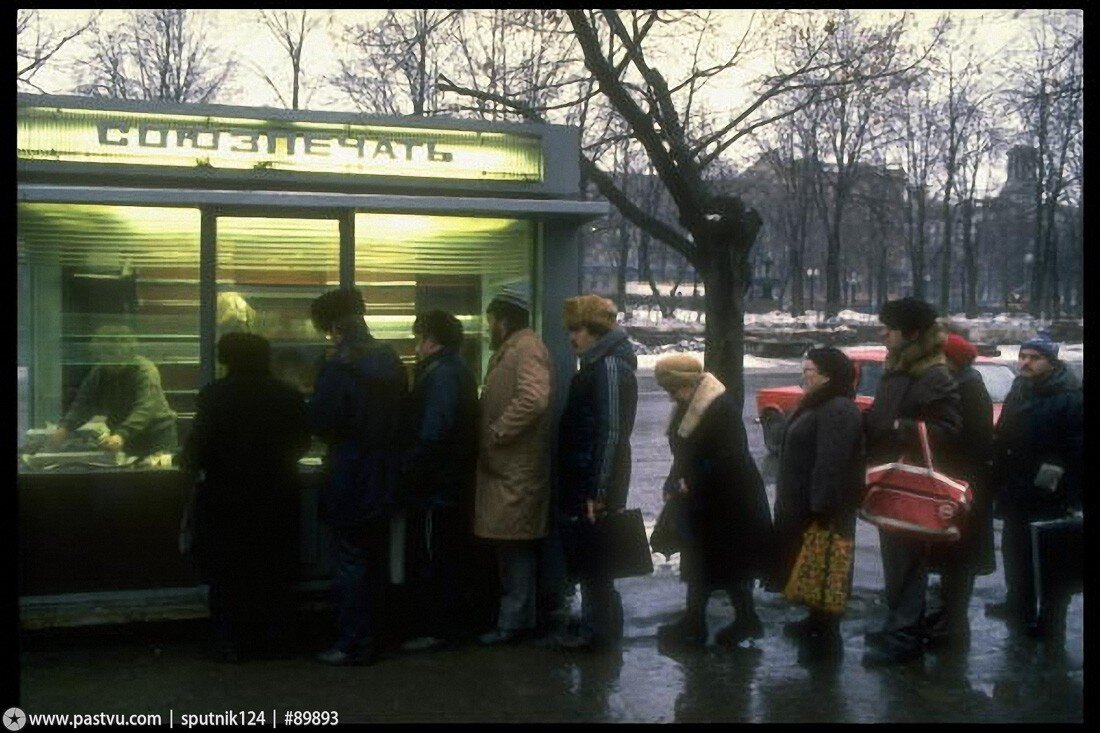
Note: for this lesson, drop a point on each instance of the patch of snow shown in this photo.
(647, 361)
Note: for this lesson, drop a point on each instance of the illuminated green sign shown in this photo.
(100, 136)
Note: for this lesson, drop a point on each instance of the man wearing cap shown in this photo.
(1038, 457)
(594, 451)
(969, 459)
(916, 385)
(512, 501)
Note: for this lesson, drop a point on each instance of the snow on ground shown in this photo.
(682, 318)
(646, 361)
(1009, 353)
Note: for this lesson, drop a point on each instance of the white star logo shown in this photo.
(14, 719)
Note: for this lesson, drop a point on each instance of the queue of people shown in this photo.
(471, 478)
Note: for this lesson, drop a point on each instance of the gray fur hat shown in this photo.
(517, 294)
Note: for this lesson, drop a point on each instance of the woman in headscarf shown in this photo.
(728, 528)
(820, 478)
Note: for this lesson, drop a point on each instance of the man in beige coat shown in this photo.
(512, 504)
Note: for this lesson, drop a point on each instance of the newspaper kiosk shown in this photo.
(174, 224)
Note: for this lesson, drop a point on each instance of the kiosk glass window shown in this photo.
(406, 264)
(268, 271)
(108, 303)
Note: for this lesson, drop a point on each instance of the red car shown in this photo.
(774, 404)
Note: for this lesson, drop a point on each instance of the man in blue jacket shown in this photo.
(355, 407)
(1038, 459)
(594, 452)
(438, 475)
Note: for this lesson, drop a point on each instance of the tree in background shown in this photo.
(391, 66)
(920, 140)
(963, 109)
(682, 137)
(978, 145)
(37, 43)
(782, 184)
(290, 29)
(854, 121)
(162, 55)
(1046, 95)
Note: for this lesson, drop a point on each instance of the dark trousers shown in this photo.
(248, 556)
(956, 587)
(1020, 578)
(251, 611)
(905, 567)
(358, 581)
(553, 583)
(601, 609)
(517, 569)
(436, 552)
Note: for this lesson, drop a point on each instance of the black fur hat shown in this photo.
(907, 315)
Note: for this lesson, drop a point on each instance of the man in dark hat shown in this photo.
(916, 385)
(355, 410)
(1037, 464)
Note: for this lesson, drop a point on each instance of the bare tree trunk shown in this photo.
(921, 264)
(945, 260)
(723, 260)
(970, 257)
(798, 306)
(832, 263)
(620, 274)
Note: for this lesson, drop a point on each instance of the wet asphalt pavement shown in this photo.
(1004, 678)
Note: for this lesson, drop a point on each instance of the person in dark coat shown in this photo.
(355, 410)
(968, 459)
(1038, 464)
(594, 452)
(916, 385)
(250, 429)
(727, 541)
(437, 479)
(820, 479)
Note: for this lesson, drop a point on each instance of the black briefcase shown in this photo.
(614, 546)
(1057, 555)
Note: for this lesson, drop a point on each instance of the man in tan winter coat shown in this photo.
(512, 504)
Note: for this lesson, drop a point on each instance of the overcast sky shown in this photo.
(239, 32)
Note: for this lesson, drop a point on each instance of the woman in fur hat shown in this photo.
(727, 524)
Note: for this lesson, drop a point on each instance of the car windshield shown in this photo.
(869, 373)
(998, 380)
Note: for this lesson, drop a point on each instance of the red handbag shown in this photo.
(916, 500)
